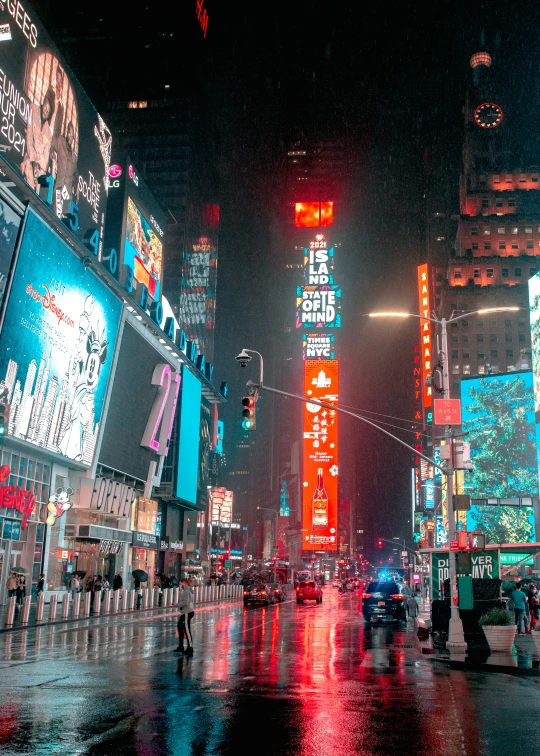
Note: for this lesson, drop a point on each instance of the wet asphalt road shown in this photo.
(308, 680)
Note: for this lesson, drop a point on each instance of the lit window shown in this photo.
(487, 232)
(528, 230)
(441, 238)
(481, 368)
(514, 230)
(501, 230)
(455, 369)
(466, 369)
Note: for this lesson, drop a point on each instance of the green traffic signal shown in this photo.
(247, 424)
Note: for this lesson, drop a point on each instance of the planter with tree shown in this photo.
(499, 629)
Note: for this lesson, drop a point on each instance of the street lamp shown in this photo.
(456, 638)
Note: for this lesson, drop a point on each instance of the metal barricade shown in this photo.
(52, 607)
(116, 599)
(65, 606)
(87, 600)
(40, 605)
(76, 606)
(26, 609)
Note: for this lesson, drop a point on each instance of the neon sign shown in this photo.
(15, 497)
(426, 340)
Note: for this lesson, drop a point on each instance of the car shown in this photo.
(258, 593)
(308, 590)
(411, 603)
(280, 592)
(336, 583)
(384, 600)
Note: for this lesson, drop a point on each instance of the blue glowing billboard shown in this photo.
(56, 346)
(190, 423)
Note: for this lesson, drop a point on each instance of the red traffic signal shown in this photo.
(380, 543)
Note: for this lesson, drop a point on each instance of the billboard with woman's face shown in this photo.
(48, 125)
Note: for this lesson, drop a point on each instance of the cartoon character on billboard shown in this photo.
(89, 354)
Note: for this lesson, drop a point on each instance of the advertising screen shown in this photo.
(502, 524)
(318, 306)
(221, 505)
(143, 250)
(426, 342)
(534, 315)
(9, 229)
(313, 214)
(320, 477)
(56, 346)
(190, 424)
(319, 262)
(318, 346)
(498, 416)
(48, 124)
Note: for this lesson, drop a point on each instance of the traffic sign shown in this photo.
(228, 565)
(447, 411)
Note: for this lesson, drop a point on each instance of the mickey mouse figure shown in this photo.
(58, 504)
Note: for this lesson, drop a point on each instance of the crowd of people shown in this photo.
(16, 586)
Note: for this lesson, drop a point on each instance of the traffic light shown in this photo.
(380, 543)
(4, 412)
(248, 413)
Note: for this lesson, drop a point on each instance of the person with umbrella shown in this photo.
(21, 588)
(139, 576)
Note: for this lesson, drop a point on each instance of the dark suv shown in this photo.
(258, 593)
(382, 600)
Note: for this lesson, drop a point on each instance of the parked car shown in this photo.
(308, 590)
(411, 603)
(258, 593)
(280, 593)
(384, 600)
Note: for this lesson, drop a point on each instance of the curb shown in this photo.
(483, 667)
(135, 613)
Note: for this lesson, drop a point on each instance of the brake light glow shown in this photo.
(397, 596)
(366, 595)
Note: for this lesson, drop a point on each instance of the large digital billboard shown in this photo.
(56, 346)
(320, 476)
(534, 315)
(136, 226)
(49, 126)
(313, 214)
(190, 426)
(319, 262)
(318, 306)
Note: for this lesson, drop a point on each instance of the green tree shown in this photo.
(504, 524)
(502, 439)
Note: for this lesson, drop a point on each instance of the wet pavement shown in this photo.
(309, 680)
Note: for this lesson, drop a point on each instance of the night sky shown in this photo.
(393, 77)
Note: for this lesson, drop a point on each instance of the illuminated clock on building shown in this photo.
(488, 115)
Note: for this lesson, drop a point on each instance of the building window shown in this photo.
(474, 230)
(487, 231)
(522, 179)
(532, 272)
(502, 245)
(487, 245)
(529, 244)
(493, 338)
(480, 355)
(515, 245)
(514, 230)
(485, 202)
(475, 245)
(481, 368)
(501, 230)
(508, 178)
(454, 339)
(482, 178)
(496, 179)
(508, 338)
(511, 202)
(465, 355)
(455, 369)
(457, 273)
(528, 229)
(479, 323)
(465, 323)
(498, 202)
(489, 273)
(453, 306)
(494, 353)
(454, 354)
(477, 273)
(509, 353)
(465, 339)
(517, 272)
(466, 369)
(480, 338)
(507, 322)
(493, 322)
(534, 179)
(522, 338)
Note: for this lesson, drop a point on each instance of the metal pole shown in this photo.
(65, 606)
(10, 611)
(52, 608)
(39, 607)
(26, 609)
(456, 637)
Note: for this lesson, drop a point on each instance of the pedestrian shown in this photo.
(11, 585)
(187, 610)
(75, 586)
(138, 591)
(21, 589)
(105, 586)
(534, 604)
(520, 606)
(41, 583)
(117, 583)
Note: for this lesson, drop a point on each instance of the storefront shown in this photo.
(144, 555)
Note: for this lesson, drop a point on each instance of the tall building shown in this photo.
(498, 235)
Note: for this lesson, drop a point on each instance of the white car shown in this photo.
(336, 583)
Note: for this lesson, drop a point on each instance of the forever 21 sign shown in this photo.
(157, 433)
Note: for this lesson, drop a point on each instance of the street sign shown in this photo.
(228, 565)
(447, 411)
(404, 553)
(454, 546)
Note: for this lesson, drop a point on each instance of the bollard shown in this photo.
(76, 606)
(40, 605)
(65, 607)
(26, 609)
(131, 600)
(97, 603)
(52, 607)
(166, 596)
(196, 596)
(107, 602)
(175, 596)
(87, 600)
(116, 601)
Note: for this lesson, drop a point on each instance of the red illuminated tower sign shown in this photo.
(426, 337)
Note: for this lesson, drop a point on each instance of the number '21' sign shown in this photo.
(158, 429)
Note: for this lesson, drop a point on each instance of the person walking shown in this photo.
(534, 605)
(41, 584)
(187, 610)
(11, 585)
(520, 606)
(75, 586)
(117, 583)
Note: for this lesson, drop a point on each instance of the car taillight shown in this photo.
(246, 593)
(366, 595)
(397, 596)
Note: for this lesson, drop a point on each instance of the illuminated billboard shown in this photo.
(498, 418)
(501, 523)
(318, 306)
(318, 262)
(136, 226)
(199, 278)
(221, 504)
(313, 214)
(320, 469)
(189, 437)
(534, 315)
(56, 346)
(49, 125)
(9, 230)
(318, 346)
(426, 337)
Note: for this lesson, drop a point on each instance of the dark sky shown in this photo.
(390, 75)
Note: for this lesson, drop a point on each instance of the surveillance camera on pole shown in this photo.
(243, 358)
